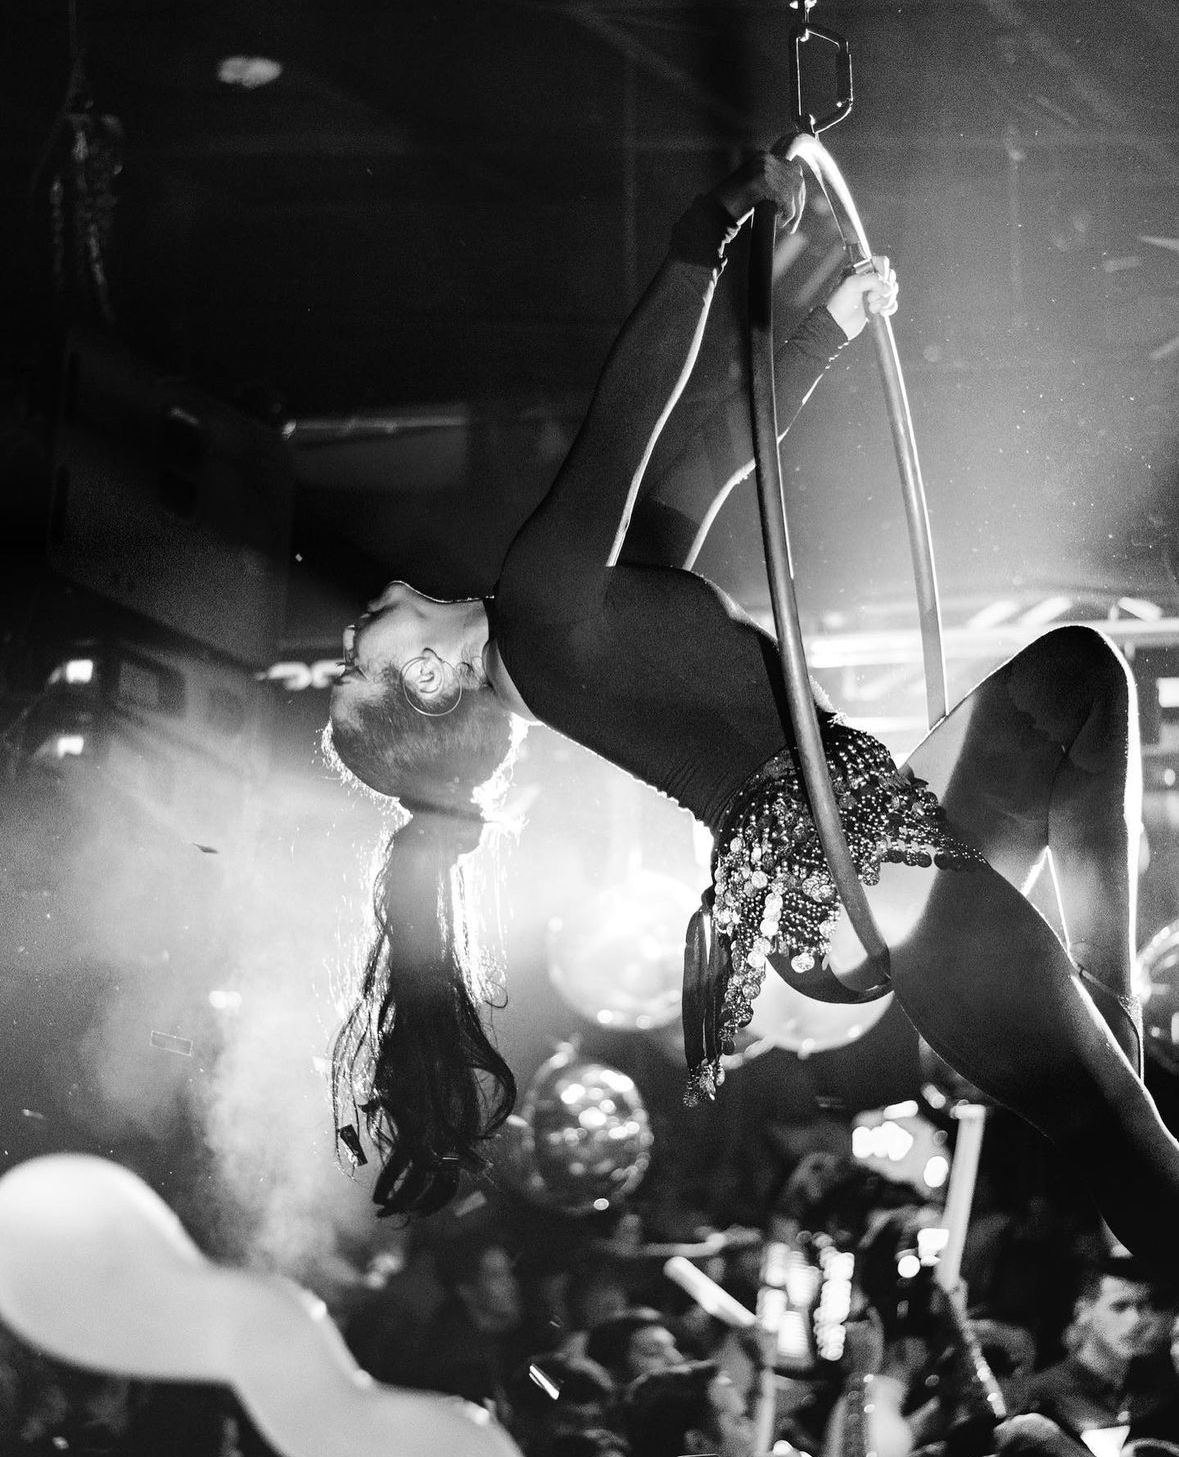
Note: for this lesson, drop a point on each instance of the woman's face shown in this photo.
(394, 628)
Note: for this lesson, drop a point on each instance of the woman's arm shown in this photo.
(583, 518)
(691, 475)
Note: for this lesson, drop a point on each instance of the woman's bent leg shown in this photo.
(988, 985)
(1042, 756)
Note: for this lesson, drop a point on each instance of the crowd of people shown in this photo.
(597, 1353)
(610, 1357)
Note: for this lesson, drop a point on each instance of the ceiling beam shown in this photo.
(380, 144)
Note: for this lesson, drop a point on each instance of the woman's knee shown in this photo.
(1070, 677)
(1087, 649)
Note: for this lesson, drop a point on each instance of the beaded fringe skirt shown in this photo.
(772, 894)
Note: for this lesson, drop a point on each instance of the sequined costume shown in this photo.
(773, 899)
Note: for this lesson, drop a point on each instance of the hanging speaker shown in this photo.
(169, 502)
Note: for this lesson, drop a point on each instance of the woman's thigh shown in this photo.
(994, 759)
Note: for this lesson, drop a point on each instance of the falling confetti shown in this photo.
(349, 1137)
(546, 1384)
(182, 1046)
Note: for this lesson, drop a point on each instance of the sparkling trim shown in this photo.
(772, 892)
(703, 1081)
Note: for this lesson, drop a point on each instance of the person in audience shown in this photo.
(1161, 1422)
(49, 1407)
(633, 1344)
(1090, 1390)
(872, 1414)
(687, 1409)
(466, 1349)
(594, 1293)
(1151, 1380)
(594, 1442)
(554, 1395)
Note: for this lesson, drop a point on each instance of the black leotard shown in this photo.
(653, 668)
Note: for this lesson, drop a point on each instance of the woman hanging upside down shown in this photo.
(653, 668)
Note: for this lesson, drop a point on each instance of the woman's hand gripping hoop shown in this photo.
(766, 177)
(867, 291)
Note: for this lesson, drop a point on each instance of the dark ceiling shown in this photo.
(438, 202)
(437, 213)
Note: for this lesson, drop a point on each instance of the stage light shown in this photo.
(249, 72)
(931, 1241)
(888, 1140)
(74, 672)
(936, 1171)
(838, 1267)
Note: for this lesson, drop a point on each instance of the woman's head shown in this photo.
(413, 1061)
(411, 713)
(380, 739)
(404, 633)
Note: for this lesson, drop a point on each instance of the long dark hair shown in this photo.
(413, 1062)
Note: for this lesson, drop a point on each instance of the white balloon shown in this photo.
(96, 1270)
(801, 1024)
(619, 959)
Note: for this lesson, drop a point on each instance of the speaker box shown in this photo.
(169, 502)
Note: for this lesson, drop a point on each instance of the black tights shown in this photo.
(1039, 765)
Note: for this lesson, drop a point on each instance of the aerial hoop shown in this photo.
(870, 980)
(811, 151)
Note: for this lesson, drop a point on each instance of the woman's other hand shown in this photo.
(860, 295)
(764, 177)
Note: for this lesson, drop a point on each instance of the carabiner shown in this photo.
(802, 32)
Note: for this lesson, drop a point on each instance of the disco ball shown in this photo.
(619, 959)
(583, 1139)
(786, 1018)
